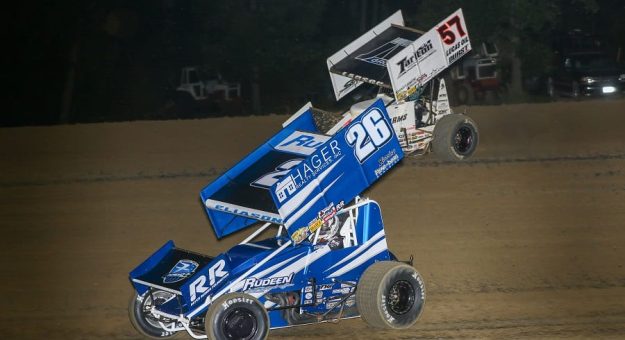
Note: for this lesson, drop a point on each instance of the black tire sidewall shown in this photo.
(138, 320)
(227, 303)
(403, 273)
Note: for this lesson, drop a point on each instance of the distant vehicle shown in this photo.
(476, 76)
(200, 91)
(586, 74)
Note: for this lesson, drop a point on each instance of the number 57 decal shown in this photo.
(447, 35)
(368, 135)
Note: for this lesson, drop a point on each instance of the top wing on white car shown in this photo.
(393, 56)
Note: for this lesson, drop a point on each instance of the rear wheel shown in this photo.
(455, 137)
(390, 295)
(142, 318)
(237, 316)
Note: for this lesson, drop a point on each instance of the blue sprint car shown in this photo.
(328, 260)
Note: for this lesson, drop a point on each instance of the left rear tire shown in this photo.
(142, 319)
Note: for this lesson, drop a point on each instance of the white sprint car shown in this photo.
(405, 64)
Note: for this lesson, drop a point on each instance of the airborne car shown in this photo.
(329, 258)
(405, 65)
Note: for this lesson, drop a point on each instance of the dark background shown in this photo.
(90, 61)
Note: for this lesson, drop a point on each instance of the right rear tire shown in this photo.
(390, 295)
(237, 316)
(455, 137)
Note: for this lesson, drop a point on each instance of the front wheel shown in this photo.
(455, 137)
(142, 319)
(237, 316)
(390, 295)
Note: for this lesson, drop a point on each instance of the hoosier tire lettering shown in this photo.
(237, 316)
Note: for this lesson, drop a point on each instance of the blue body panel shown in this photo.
(338, 171)
(292, 268)
(298, 172)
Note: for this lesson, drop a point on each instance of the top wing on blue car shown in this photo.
(299, 173)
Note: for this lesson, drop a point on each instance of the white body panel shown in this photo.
(343, 85)
(427, 56)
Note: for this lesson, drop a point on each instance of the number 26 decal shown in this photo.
(368, 135)
(447, 34)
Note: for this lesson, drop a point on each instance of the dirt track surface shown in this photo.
(525, 240)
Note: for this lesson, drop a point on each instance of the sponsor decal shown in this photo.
(386, 162)
(251, 283)
(314, 225)
(285, 189)
(415, 84)
(381, 54)
(348, 85)
(328, 212)
(302, 143)
(200, 288)
(457, 50)
(325, 287)
(322, 287)
(398, 119)
(407, 63)
(334, 302)
(324, 216)
(316, 163)
(299, 235)
(343, 291)
(180, 271)
(350, 284)
(247, 213)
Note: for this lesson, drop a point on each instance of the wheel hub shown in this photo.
(401, 297)
(463, 140)
(240, 324)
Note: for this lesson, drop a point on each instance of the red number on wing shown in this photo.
(448, 36)
(456, 21)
